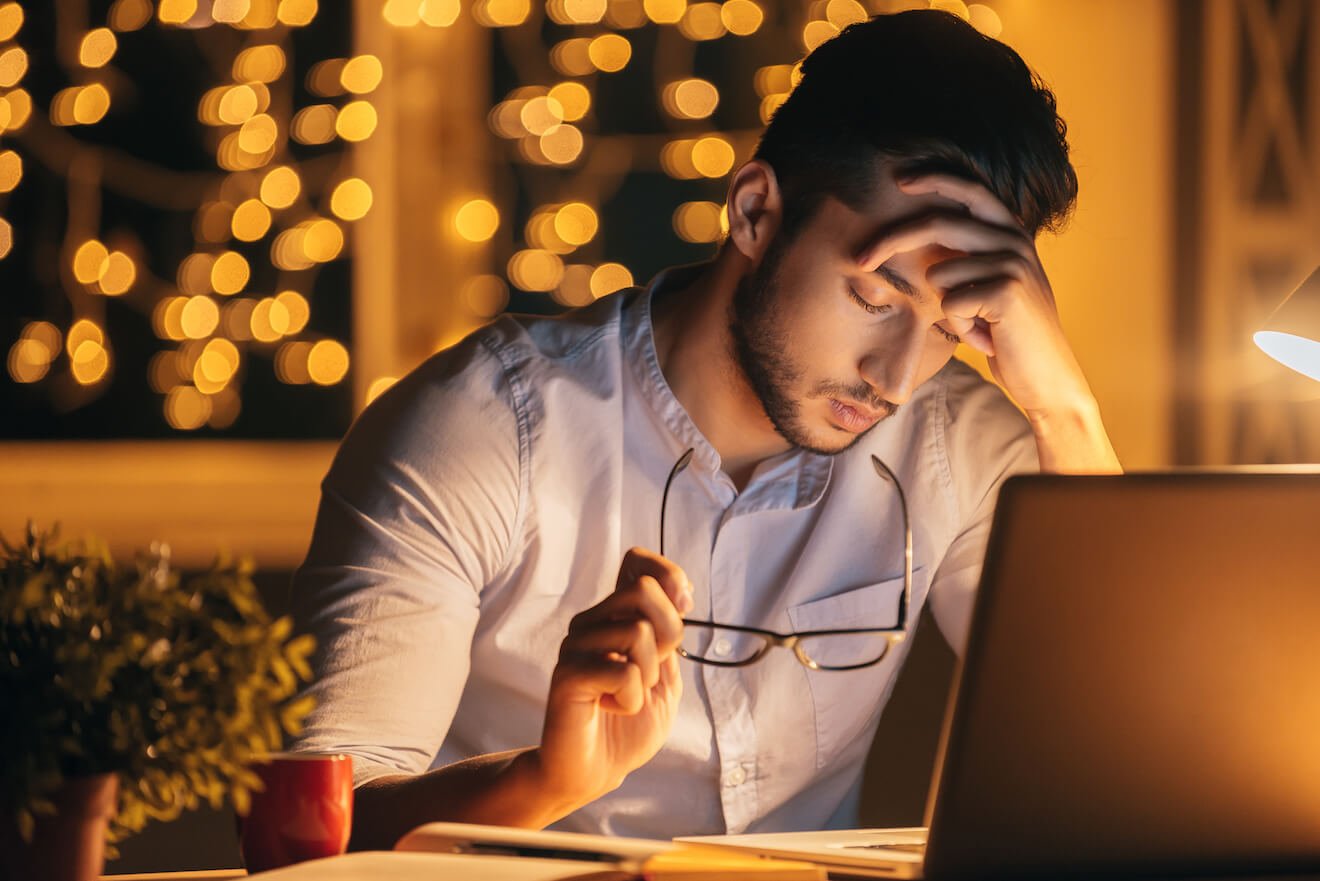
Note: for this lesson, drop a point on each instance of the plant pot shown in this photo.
(69, 846)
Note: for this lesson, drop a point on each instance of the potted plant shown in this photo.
(129, 693)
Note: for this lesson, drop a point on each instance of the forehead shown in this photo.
(847, 230)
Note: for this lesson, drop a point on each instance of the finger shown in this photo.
(628, 700)
(955, 272)
(638, 562)
(633, 640)
(957, 232)
(975, 196)
(641, 599)
(589, 678)
(671, 679)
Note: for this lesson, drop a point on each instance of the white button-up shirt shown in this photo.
(490, 495)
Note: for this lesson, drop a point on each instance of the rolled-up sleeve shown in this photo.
(418, 513)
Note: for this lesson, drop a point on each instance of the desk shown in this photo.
(207, 875)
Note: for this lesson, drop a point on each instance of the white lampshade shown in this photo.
(1291, 336)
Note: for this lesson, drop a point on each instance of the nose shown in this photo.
(893, 368)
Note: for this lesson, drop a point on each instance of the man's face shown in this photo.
(829, 349)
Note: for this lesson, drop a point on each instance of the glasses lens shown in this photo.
(720, 645)
(836, 650)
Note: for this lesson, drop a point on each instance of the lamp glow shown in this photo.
(1291, 336)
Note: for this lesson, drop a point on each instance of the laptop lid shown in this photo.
(1141, 688)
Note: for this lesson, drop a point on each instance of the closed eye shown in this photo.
(951, 337)
(870, 307)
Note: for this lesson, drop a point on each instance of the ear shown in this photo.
(755, 208)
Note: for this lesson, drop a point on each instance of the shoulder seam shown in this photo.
(517, 395)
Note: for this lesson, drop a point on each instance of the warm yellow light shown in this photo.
(356, 121)
(540, 231)
(230, 11)
(186, 408)
(625, 14)
(6, 238)
(362, 74)
(576, 223)
(486, 295)
(676, 159)
(327, 362)
(610, 52)
(230, 273)
(118, 273)
(712, 157)
(11, 20)
(236, 318)
(842, 13)
(351, 199)
(775, 78)
(697, 221)
(88, 260)
(163, 371)
(957, 7)
(176, 11)
(194, 275)
(90, 104)
(477, 220)
(251, 220)
(83, 330)
(742, 17)
(574, 100)
(770, 104)
(575, 287)
(280, 187)
(216, 366)
(129, 15)
(315, 124)
(262, 16)
(286, 252)
(665, 11)
(296, 308)
(817, 32)
(259, 64)
(97, 48)
(691, 98)
(401, 13)
(323, 240)
(539, 115)
(562, 144)
(439, 13)
(378, 387)
(702, 21)
(269, 320)
(20, 108)
(198, 317)
(534, 269)
(167, 318)
(225, 407)
(291, 363)
(29, 360)
(323, 78)
(6, 114)
(584, 11)
(13, 64)
(573, 57)
(237, 106)
(45, 333)
(258, 134)
(985, 19)
(608, 278)
(502, 13)
(296, 13)
(89, 362)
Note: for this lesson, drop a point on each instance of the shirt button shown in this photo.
(736, 777)
(722, 648)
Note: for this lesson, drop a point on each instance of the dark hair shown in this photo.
(928, 90)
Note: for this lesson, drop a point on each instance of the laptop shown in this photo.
(1140, 693)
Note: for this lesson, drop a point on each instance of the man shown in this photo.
(484, 654)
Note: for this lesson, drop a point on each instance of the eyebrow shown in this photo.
(901, 284)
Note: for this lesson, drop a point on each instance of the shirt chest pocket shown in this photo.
(846, 703)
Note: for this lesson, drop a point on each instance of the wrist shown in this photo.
(1073, 440)
(555, 797)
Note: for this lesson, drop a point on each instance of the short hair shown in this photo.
(927, 90)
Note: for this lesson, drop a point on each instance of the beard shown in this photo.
(761, 349)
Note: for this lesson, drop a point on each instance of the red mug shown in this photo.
(304, 811)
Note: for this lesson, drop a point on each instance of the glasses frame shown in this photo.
(771, 638)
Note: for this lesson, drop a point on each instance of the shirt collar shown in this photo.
(796, 478)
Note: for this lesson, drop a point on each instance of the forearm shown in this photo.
(500, 789)
(1074, 441)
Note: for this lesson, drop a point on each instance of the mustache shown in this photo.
(864, 395)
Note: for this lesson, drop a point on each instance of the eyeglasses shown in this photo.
(728, 645)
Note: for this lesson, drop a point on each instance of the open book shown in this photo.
(466, 852)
